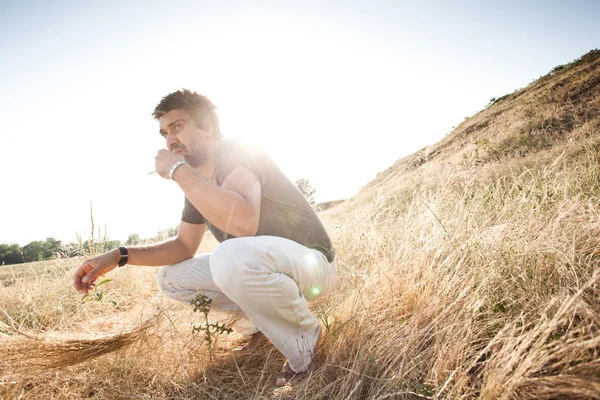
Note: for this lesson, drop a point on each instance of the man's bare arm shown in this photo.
(169, 252)
(233, 208)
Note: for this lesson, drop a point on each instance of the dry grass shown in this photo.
(458, 278)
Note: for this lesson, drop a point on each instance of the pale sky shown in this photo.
(335, 92)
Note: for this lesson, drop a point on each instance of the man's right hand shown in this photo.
(86, 275)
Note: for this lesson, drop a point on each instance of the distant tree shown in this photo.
(53, 246)
(307, 190)
(133, 239)
(38, 250)
(10, 254)
(112, 244)
(69, 250)
(35, 251)
(93, 247)
(165, 234)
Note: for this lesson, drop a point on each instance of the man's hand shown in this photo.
(86, 275)
(164, 161)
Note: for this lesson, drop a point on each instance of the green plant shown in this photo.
(201, 304)
(98, 295)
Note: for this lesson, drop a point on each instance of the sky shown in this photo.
(334, 91)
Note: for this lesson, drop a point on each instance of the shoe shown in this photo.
(291, 378)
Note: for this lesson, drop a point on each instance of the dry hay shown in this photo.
(21, 351)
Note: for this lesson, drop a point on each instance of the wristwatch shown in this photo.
(174, 167)
(124, 256)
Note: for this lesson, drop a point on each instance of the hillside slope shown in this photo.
(478, 257)
(562, 106)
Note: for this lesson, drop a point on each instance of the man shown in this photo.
(274, 254)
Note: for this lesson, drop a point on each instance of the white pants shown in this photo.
(262, 283)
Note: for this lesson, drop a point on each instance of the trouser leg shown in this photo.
(184, 281)
(271, 278)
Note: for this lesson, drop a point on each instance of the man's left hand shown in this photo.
(164, 160)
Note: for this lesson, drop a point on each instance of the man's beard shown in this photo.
(196, 159)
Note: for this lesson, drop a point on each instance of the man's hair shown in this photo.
(197, 106)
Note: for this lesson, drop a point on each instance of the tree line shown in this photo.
(39, 250)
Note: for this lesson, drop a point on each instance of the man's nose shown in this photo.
(170, 140)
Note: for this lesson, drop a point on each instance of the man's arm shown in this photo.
(172, 251)
(233, 208)
(169, 252)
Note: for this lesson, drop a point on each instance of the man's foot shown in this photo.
(256, 340)
(291, 378)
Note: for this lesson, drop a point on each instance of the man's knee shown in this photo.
(232, 261)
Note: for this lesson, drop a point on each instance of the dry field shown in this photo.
(468, 270)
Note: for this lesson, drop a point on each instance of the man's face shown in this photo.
(184, 137)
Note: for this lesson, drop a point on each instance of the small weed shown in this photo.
(98, 295)
(201, 304)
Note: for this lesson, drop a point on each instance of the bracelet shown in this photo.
(174, 167)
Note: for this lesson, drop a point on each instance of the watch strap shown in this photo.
(124, 256)
(174, 167)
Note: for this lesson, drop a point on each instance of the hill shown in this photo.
(562, 106)
(469, 269)
(481, 251)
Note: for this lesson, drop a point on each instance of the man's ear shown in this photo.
(206, 125)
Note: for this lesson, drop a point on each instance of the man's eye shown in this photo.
(178, 127)
(163, 134)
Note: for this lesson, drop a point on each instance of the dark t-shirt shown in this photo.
(284, 211)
